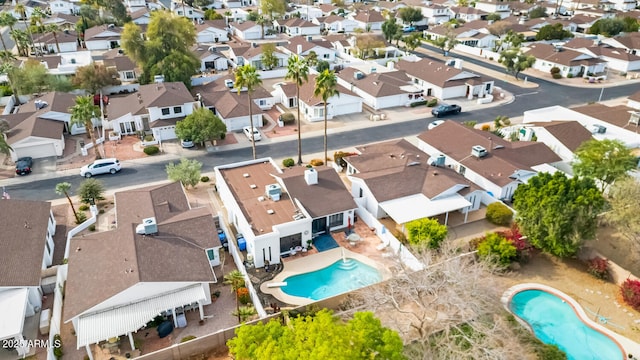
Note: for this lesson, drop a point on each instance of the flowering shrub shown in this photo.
(631, 293)
(243, 295)
(599, 268)
(497, 247)
(523, 248)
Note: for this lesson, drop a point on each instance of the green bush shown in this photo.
(555, 70)
(151, 150)
(92, 227)
(418, 103)
(57, 346)
(316, 162)
(556, 76)
(288, 162)
(499, 214)
(101, 211)
(288, 118)
(497, 248)
(148, 138)
(204, 179)
(81, 217)
(6, 90)
(83, 207)
(550, 352)
(187, 338)
(432, 102)
(569, 76)
(470, 123)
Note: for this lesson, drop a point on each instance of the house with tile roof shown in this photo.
(246, 30)
(232, 107)
(617, 59)
(604, 122)
(162, 256)
(243, 53)
(210, 58)
(369, 19)
(312, 107)
(563, 137)
(474, 34)
(568, 61)
(439, 80)
(302, 46)
(435, 13)
(26, 249)
(492, 163)
(102, 37)
(468, 13)
(297, 27)
(380, 89)
(65, 63)
(64, 7)
(155, 107)
(628, 42)
(211, 32)
(494, 6)
(63, 41)
(141, 17)
(336, 24)
(64, 21)
(278, 211)
(118, 60)
(423, 187)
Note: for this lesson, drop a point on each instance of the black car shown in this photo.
(23, 165)
(444, 110)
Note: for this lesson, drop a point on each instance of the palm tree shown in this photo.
(298, 71)
(53, 29)
(236, 279)
(22, 41)
(5, 148)
(248, 78)
(22, 10)
(326, 84)
(7, 66)
(6, 19)
(63, 189)
(36, 16)
(82, 113)
(227, 15)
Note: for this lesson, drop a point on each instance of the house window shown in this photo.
(462, 170)
(177, 109)
(48, 247)
(361, 193)
(326, 56)
(262, 102)
(129, 75)
(211, 254)
(336, 220)
(166, 111)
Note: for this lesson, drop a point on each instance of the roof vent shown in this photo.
(478, 151)
(270, 212)
(413, 163)
(228, 83)
(358, 75)
(253, 186)
(40, 104)
(148, 226)
(260, 198)
(245, 175)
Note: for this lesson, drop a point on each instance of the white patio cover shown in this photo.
(418, 206)
(103, 325)
(14, 306)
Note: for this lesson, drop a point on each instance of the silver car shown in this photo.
(101, 166)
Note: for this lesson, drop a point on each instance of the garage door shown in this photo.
(166, 133)
(348, 108)
(36, 151)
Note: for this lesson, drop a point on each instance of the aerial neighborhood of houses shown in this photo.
(89, 273)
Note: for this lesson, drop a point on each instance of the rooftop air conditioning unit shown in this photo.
(273, 191)
(358, 75)
(478, 151)
(149, 226)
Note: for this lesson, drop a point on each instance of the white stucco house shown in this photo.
(562, 137)
(64, 7)
(302, 46)
(297, 27)
(568, 61)
(278, 211)
(23, 257)
(160, 259)
(246, 30)
(66, 41)
(210, 59)
(66, 63)
(336, 24)
(102, 37)
(211, 32)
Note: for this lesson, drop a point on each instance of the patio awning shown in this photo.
(418, 206)
(103, 325)
(14, 304)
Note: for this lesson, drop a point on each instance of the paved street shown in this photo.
(148, 170)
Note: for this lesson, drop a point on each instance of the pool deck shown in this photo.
(627, 345)
(313, 263)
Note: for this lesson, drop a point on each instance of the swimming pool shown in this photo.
(554, 321)
(340, 277)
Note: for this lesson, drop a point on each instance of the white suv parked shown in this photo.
(102, 166)
(256, 133)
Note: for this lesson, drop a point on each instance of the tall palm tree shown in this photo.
(21, 39)
(37, 17)
(249, 79)
(7, 66)
(326, 84)
(82, 113)
(6, 19)
(53, 29)
(236, 280)
(22, 10)
(63, 189)
(5, 148)
(298, 71)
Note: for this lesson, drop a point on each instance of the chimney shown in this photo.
(311, 176)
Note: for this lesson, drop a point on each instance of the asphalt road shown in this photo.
(547, 94)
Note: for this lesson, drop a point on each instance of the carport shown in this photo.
(14, 302)
(418, 206)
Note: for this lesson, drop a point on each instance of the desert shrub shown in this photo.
(92, 227)
(556, 76)
(187, 338)
(499, 214)
(289, 162)
(486, 127)
(101, 211)
(83, 207)
(470, 123)
(81, 217)
(338, 157)
(204, 179)
(432, 102)
(598, 267)
(497, 248)
(569, 76)
(490, 58)
(316, 162)
(57, 346)
(631, 293)
(243, 295)
(151, 150)
(288, 118)
(148, 138)
(550, 352)
(555, 70)
(419, 103)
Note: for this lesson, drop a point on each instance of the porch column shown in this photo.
(446, 218)
(133, 346)
(466, 214)
(89, 352)
(201, 310)
(175, 318)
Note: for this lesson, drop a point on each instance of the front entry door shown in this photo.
(319, 225)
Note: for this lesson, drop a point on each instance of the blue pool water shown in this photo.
(337, 278)
(555, 322)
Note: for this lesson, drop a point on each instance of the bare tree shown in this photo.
(449, 310)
